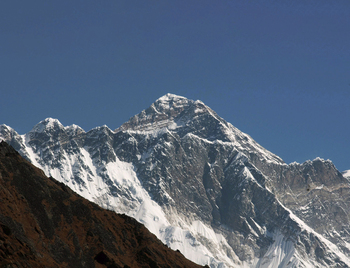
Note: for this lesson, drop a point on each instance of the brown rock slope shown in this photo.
(45, 224)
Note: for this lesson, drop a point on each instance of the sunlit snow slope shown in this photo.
(201, 185)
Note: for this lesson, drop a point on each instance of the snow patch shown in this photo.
(32, 156)
(280, 254)
(169, 96)
(346, 174)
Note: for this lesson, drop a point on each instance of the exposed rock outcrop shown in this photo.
(43, 223)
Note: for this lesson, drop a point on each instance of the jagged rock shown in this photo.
(43, 223)
(202, 186)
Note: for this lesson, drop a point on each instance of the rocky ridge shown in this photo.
(201, 185)
(43, 223)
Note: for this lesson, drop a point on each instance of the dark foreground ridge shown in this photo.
(43, 223)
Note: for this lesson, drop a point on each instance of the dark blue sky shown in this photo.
(277, 70)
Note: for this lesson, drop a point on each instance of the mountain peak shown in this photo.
(5, 126)
(47, 124)
(74, 129)
(170, 103)
(202, 186)
(6, 132)
(159, 115)
(170, 111)
(170, 97)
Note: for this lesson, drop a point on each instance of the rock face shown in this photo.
(43, 223)
(202, 186)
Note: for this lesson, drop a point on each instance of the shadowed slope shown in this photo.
(45, 224)
(201, 186)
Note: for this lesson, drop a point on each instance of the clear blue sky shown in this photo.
(277, 70)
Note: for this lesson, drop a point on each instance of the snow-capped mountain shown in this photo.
(44, 224)
(201, 186)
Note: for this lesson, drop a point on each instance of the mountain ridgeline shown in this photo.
(201, 186)
(43, 223)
